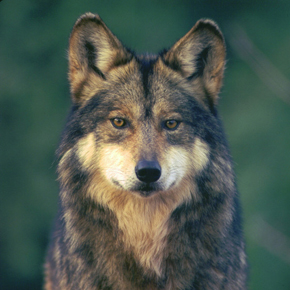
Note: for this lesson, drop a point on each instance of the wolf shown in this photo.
(148, 197)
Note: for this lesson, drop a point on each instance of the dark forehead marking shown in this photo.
(146, 63)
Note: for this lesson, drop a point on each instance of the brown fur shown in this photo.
(119, 229)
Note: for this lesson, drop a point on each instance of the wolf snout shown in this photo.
(148, 171)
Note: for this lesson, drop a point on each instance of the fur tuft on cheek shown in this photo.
(117, 166)
(200, 155)
(86, 152)
(182, 163)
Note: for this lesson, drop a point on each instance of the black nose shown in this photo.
(148, 171)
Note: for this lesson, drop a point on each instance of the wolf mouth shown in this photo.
(143, 188)
(147, 189)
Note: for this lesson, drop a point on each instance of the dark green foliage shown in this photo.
(34, 100)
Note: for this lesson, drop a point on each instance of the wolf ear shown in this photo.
(200, 54)
(92, 49)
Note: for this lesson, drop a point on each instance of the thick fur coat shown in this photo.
(148, 198)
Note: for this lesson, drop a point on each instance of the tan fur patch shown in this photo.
(200, 154)
(116, 163)
(86, 151)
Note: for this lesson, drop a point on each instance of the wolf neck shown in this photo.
(144, 224)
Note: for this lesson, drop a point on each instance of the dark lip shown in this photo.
(145, 193)
(146, 189)
(143, 189)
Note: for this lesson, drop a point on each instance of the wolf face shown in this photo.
(148, 197)
(143, 135)
(143, 148)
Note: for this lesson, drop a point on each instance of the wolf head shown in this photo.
(143, 125)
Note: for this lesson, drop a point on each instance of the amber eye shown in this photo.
(171, 124)
(118, 122)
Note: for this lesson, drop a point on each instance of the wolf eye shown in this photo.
(171, 124)
(119, 123)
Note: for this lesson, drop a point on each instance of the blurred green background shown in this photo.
(34, 101)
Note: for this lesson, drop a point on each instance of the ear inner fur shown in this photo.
(93, 48)
(200, 54)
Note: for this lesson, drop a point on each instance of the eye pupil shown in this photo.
(171, 124)
(118, 122)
